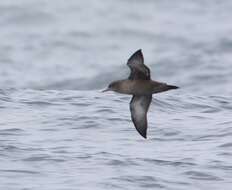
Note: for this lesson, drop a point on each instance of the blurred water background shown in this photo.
(58, 131)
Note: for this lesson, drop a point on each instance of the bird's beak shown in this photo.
(108, 89)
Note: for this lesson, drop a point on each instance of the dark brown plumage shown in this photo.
(140, 85)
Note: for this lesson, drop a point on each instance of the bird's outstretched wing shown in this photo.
(138, 69)
(139, 106)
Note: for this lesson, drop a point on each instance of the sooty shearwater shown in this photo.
(140, 85)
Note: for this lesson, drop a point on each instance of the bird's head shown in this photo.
(113, 86)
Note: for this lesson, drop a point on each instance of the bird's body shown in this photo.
(140, 85)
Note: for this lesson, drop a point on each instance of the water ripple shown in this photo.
(201, 176)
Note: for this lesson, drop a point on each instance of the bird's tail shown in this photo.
(169, 87)
(164, 88)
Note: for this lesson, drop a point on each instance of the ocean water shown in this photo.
(58, 131)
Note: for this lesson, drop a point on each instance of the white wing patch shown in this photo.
(139, 106)
(139, 110)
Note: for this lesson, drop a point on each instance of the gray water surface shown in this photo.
(58, 131)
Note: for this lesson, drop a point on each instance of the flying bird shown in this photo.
(141, 86)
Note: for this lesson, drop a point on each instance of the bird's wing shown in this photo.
(139, 106)
(138, 69)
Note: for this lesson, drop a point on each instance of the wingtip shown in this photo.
(143, 134)
(139, 51)
(136, 55)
